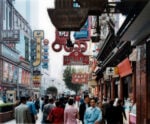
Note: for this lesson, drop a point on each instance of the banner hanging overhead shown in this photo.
(80, 78)
(76, 58)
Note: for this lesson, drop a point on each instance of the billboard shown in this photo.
(10, 72)
(38, 35)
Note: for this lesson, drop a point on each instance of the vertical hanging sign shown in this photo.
(38, 35)
(45, 58)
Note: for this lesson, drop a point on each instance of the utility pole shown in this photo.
(1, 28)
(1, 19)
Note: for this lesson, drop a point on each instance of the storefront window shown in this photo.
(133, 109)
(127, 86)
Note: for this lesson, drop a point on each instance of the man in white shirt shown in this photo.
(22, 113)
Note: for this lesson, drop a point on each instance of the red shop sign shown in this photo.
(36, 84)
(80, 78)
(76, 58)
(124, 68)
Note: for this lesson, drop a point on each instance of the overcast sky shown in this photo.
(38, 18)
(56, 59)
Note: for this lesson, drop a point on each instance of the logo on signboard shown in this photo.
(61, 41)
(111, 71)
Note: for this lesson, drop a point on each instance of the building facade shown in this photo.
(16, 34)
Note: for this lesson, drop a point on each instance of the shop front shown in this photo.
(126, 87)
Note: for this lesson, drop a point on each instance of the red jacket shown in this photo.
(57, 114)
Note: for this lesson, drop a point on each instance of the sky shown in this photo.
(38, 19)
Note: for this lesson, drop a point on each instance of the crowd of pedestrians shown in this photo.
(65, 111)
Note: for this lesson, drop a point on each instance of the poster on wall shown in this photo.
(15, 75)
(23, 77)
(10, 68)
(10, 73)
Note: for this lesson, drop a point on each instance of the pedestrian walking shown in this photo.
(100, 105)
(41, 103)
(22, 113)
(45, 101)
(120, 112)
(46, 110)
(83, 106)
(93, 114)
(56, 115)
(70, 113)
(111, 113)
(32, 108)
(37, 103)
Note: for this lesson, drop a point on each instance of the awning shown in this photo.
(95, 7)
(140, 28)
(117, 55)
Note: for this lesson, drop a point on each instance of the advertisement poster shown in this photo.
(5, 71)
(15, 74)
(20, 75)
(10, 68)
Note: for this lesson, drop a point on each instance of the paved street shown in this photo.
(37, 122)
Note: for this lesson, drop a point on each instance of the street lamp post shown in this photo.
(1, 19)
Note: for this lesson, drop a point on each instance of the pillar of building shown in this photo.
(113, 88)
(105, 90)
(148, 85)
(134, 82)
(143, 85)
(120, 88)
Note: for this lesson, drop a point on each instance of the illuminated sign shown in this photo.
(38, 35)
(45, 54)
(36, 78)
